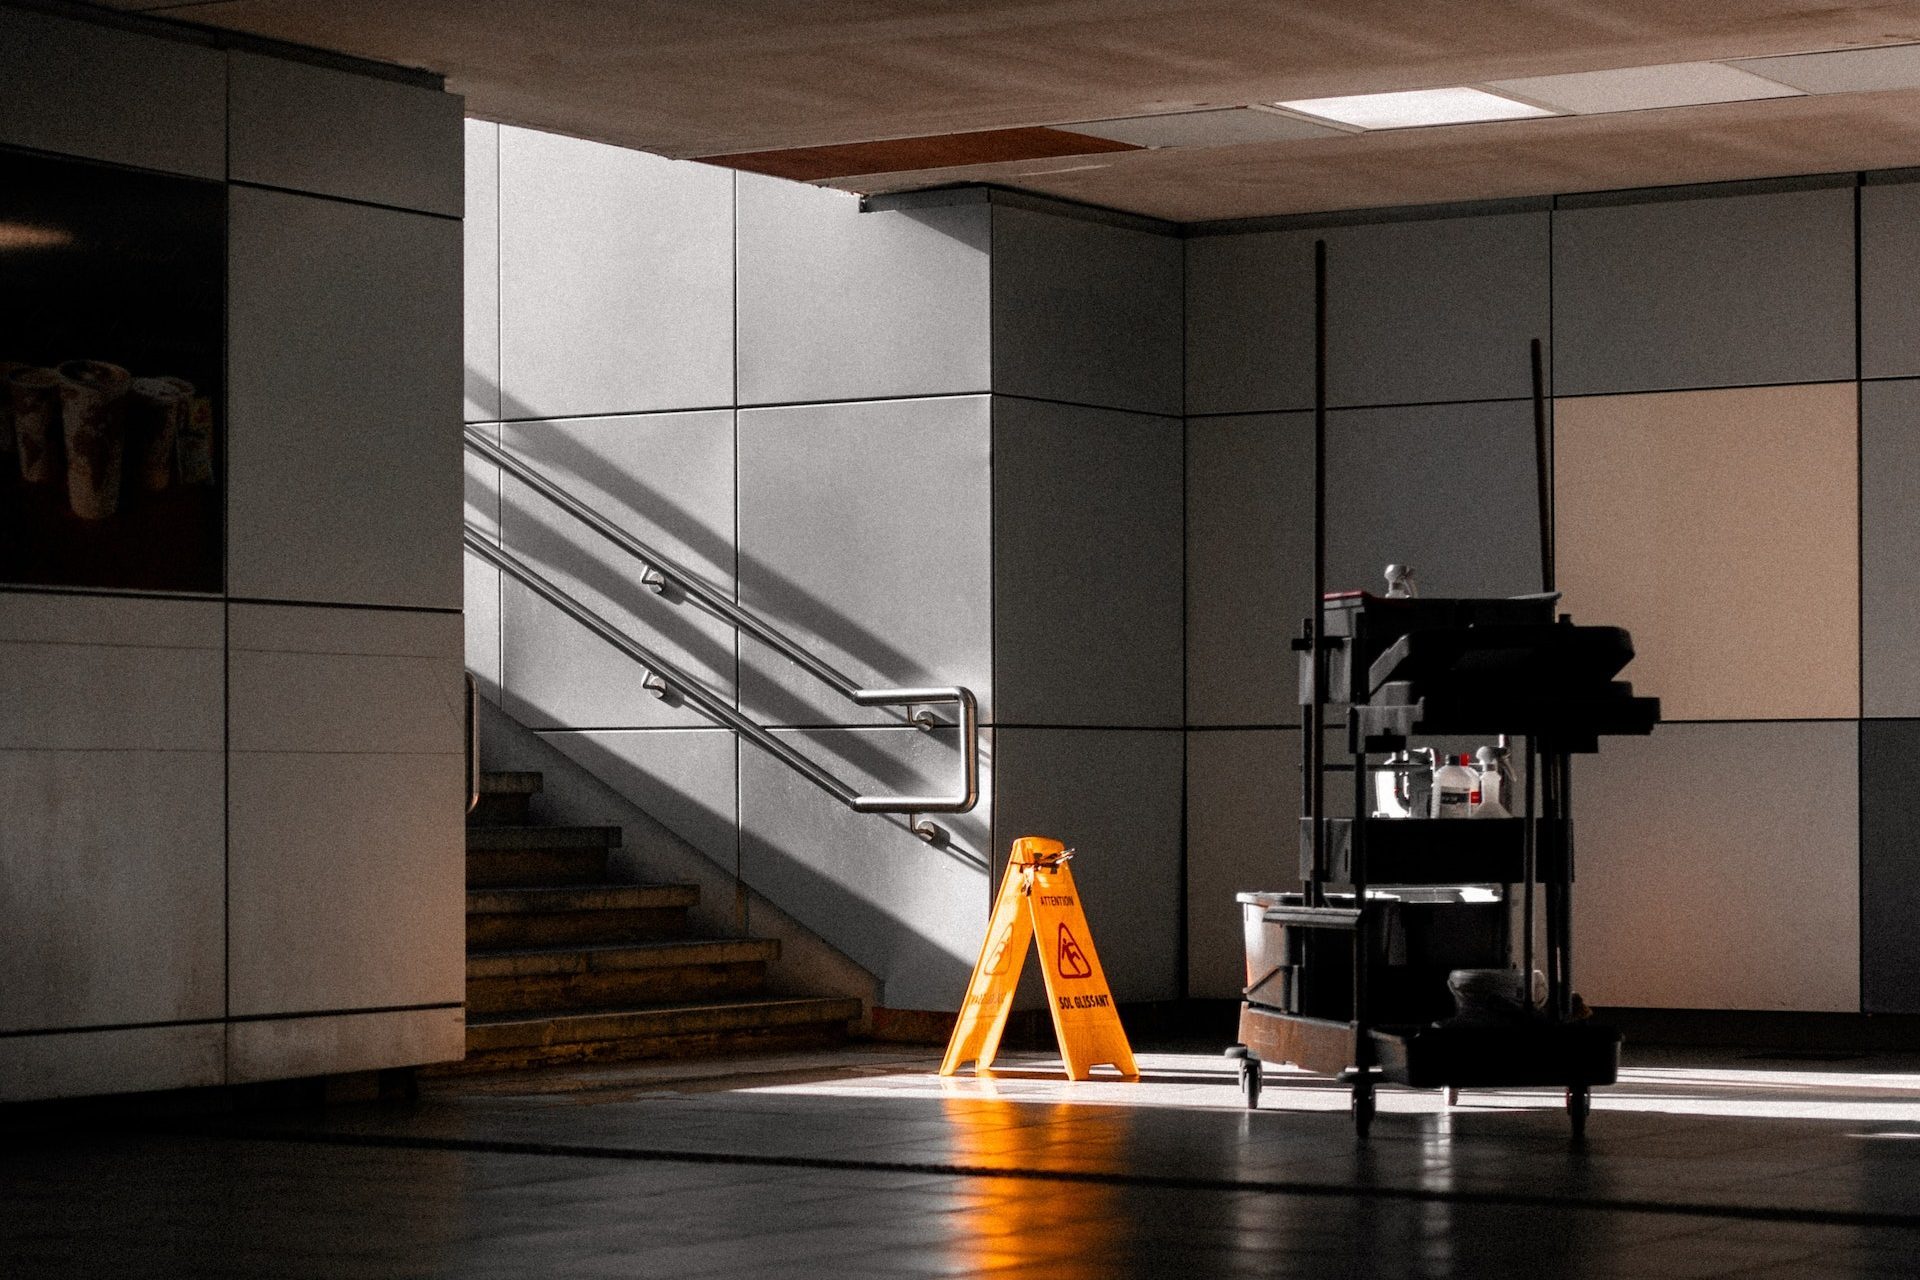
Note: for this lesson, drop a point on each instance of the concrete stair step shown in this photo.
(506, 799)
(535, 868)
(551, 979)
(536, 900)
(505, 1041)
(565, 915)
(520, 855)
(518, 837)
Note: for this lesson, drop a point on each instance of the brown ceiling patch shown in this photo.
(941, 151)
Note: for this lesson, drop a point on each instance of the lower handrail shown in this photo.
(663, 678)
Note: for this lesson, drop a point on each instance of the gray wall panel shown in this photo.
(276, 1048)
(667, 479)
(1704, 293)
(85, 672)
(1249, 565)
(1085, 312)
(480, 612)
(911, 913)
(864, 535)
(1250, 322)
(616, 280)
(345, 851)
(86, 90)
(77, 1064)
(358, 680)
(836, 304)
(1087, 565)
(113, 867)
(347, 873)
(344, 355)
(686, 779)
(335, 133)
(1720, 869)
(1890, 548)
(1114, 797)
(1890, 280)
(1448, 489)
(1243, 811)
(1889, 865)
(1435, 310)
(481, 231)
(480, 603)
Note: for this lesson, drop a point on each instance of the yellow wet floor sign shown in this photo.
(1038, 902)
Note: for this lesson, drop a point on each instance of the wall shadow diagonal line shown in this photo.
(839, 631)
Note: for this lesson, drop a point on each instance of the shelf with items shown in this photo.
(1439, 851)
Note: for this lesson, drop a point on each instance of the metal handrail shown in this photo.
(660, 573)
(663, 679)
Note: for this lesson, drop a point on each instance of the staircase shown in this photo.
(565, 965)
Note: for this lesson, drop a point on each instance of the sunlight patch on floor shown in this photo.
(1209, 1082)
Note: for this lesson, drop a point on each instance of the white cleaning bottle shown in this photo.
(1453, 787)
(1493, 784)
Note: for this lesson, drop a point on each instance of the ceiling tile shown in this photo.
(1415, 108)
(1843, 71)
(1204, 128)
(1678, 84)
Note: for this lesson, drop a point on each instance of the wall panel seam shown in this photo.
(251, 185)
(227, 1020)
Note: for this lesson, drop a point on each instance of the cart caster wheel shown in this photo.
(1362, 1108)
(1579, 1102)
(1250, 1081)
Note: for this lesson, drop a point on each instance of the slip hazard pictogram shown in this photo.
(1038, 899)
(1070, 960)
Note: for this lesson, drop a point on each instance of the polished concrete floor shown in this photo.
(863, 1163)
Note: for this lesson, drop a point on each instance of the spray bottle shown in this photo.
(1496, 783)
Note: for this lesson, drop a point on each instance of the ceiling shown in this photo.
(702, 78)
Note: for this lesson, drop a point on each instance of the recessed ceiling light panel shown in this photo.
(1894, 66)
(1222, 128)
(1677, 84)
(1414, 109)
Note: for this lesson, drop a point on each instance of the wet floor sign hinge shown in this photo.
(1038, 902)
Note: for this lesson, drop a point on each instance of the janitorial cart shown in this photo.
(1407, 955)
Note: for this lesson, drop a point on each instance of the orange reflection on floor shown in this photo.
(1006, 1222)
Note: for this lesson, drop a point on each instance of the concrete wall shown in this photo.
(791, 399)
(230, 840)
(1732, 371)
(937, 445)
(1063, 458)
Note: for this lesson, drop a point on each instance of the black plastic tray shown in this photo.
(1543, 659)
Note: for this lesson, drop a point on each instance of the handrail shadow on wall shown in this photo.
(664, 680)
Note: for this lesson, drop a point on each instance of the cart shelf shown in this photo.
(1525, 1055)
(1433, 851)
(1522, 1055)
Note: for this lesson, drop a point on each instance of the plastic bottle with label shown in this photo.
(1454, 785)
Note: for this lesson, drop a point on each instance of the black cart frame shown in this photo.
(1330, 995)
